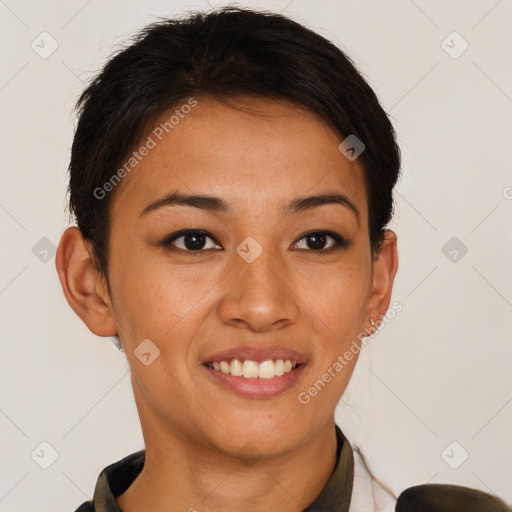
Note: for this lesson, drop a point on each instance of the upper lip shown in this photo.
(257, 353)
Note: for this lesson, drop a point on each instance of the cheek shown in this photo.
(335, 303)
(151, 296)
(336, 294)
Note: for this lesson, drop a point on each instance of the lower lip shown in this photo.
(255, 387)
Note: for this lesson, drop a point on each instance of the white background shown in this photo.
(438, 372)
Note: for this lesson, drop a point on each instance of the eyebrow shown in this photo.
(216, 204)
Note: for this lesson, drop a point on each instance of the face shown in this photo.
(249, 274)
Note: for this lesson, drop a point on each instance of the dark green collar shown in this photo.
(337, 493)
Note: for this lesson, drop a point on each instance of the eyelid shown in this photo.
(339, 240)
(167, 241)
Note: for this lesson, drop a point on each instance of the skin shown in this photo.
(190, 304)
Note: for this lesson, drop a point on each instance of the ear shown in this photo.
(385, 265)
(84, 287)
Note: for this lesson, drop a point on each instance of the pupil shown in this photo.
(318, 241)
(196, 241)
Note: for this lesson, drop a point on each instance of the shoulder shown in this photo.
(369, 493)
(112, 482)
(448, 498)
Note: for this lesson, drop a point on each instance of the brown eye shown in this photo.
(321, 241)
(191, 240)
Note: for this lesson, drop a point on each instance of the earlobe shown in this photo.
(84, 287)
(385, 266)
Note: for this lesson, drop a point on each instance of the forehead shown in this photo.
(258, 155)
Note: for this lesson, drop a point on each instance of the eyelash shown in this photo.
(339, 241)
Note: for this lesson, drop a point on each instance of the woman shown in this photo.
(231, 177)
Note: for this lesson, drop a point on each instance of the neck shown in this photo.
(180, 474)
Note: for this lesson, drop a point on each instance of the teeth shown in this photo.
(252, 369)
(236, 368)
(266, 370)
(279, 367)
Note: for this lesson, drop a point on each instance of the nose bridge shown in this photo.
(257, 295)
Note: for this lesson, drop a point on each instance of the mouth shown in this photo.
(256, 372)
(249, 369)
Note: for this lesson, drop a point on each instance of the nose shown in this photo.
(258, 296)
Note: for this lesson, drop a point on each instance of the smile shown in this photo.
(249, 369)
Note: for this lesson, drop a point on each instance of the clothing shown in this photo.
(351, 488)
